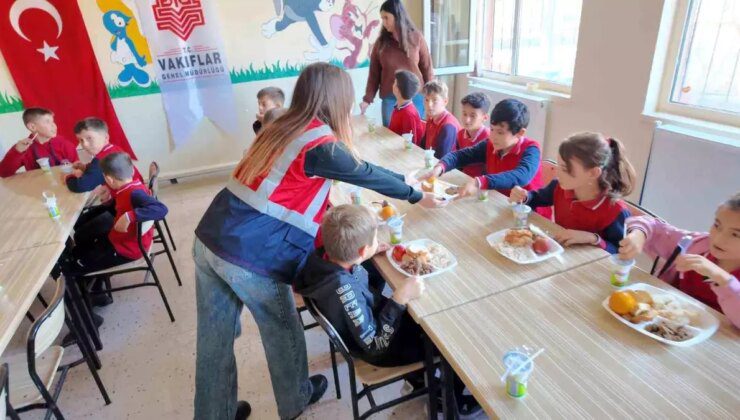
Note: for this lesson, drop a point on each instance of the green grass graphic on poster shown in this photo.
(9, 103)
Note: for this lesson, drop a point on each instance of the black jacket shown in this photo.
(366, 321)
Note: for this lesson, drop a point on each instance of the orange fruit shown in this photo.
(622, 303)
(386, 212)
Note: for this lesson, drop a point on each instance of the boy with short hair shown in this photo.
(43, 142)
(267, 99)
(405, 117)
(442, 126)
(92, 134)
(511, 159)
(475, 108)
(273, 114)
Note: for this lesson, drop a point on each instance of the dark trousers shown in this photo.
(93, 223)
(97, 254)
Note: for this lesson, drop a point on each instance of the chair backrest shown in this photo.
(47, 327)
(638, 210)
(154, 178)
(549, 171)
(327, 327)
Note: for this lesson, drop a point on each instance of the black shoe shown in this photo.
(97, 319)
(320, 383)
(68, 340)
(100, 300)
(468, 407)
(243, 410)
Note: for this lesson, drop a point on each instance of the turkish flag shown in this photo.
(50, 57)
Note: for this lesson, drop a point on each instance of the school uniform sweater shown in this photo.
(135, 202)
(386, 59)
(405, 119)
(92, 176)
(465, 140)
(441, 134)
(56, 149)
(603, 216)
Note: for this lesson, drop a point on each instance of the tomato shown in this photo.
(540, 246)
(398, 252)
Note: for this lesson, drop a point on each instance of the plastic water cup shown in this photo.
(355, 195)
(408, 141)
(66, 166)
(395, 224)
(50, 201)
(482, 195)
(371, 124)
(429, 158)
(521, 215)
(44, 164)
(516, 380)
(620, 275)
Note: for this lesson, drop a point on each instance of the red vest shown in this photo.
(590, 216)
(434, 126)
(112, 148)
(126, 243)
(407, 120)
(464, 141)
(693, 285)
(286, 192)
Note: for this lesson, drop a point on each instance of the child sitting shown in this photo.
(405, 118)
(93, 136)
(475, 108)
(375, 329)
(267, 99)
(592, 174)
(710, 268)
(442, 126)
(43, 142)
(273, 114)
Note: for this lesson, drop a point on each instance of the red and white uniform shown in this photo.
(464, 140)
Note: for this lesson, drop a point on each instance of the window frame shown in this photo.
(679, 28)
(472, 39)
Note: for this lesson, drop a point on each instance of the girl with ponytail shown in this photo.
(593, 174)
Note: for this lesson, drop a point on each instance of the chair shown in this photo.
(34, 372)
(154, 188)
(300, 306)
(549, 171)
(371, 377)
(5, 408)
(142, 264)
(638, 210)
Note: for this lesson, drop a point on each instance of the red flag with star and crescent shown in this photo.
(49, 54)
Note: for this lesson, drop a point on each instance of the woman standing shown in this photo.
(258, 231)
(400, 46)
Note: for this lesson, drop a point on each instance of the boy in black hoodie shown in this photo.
(375, 328)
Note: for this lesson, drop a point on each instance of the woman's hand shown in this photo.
(434, 172)
(431, 201)
(570, 237)
(518, 195)
(363, 107)
(700, 264)
(632, 245)
(469, 189)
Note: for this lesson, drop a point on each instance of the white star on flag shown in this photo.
(48, 52)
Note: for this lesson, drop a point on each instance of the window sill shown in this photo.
(520, 89)
(719, 133)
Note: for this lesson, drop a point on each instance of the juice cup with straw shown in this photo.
(50, 201)
(44, 164)
(395, 224)
(620, 275)
(521, 215)
(371, 124)
(408, 141)
(429, 158)
(519, 363)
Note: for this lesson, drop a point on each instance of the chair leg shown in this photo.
(30, 317)
(431, 379)
(82, 302)
(48, 399)
(86, 355)
(169, 234)
(76, 324)
(335, 369)
(169, 254)
(161, 291)
(353, 391)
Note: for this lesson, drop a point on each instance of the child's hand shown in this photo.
(434, 172)
(570, 237)
(411, 288)
(470, 188)
(23, 144)
(518, 195)
(79, 166)
(103, 194)
(383, 247)
(431, 201)
(363, 107)
(632, 245)
(77, 173)
(122, 224)
(700, 264)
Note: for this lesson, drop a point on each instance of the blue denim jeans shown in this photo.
(390, 101)
(222, 289)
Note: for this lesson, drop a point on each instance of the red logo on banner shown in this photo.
(179, 16)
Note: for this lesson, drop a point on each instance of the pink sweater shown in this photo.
(662, 240)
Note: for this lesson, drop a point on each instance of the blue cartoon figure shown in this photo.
(128, 46)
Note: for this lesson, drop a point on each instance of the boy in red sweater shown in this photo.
(405, 118)
(475, 108)
(442, 126)
(43, 142)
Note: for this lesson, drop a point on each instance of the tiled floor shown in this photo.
(149, 363)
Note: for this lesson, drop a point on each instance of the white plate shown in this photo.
(707, 323)
(375, 208)
(425, 243)
(496, 241)
(439, 187)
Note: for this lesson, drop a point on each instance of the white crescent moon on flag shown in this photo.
(20, 6)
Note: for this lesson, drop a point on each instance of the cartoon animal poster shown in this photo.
(264, 39)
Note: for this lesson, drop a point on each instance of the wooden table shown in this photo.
(24, 221)
(593, 366)
(461, 227)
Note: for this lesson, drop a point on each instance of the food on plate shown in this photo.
(386, 211)
(670, 331)
(439, 257)
(428, 185)
(519, 237)
(642, 296)
(622, 303)
(540, 246)
(416, 267)
(453, 190)
(642, 313)
(398, 252)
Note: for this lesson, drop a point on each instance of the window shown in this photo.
(449, 25)
(530, 40)
(702, 77)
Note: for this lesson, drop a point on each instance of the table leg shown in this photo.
(449, 406)
(84, 343)
(429, 352)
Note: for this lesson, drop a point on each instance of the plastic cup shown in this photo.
(356, 196)
(50, 201)
(44, 164)
(395, 224)
(371, 124)
(429, 158)
(66, 166)
(620, 275)
(521, 215)
(516, 382)
(482, 195)
(408, 141)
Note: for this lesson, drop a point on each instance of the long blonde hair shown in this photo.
(323, 91)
